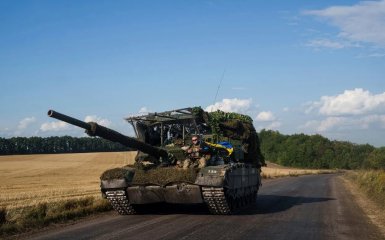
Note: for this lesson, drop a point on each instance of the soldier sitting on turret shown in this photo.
(198, 154)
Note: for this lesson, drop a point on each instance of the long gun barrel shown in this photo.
(93, 129)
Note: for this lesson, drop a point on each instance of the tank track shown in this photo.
(220, 203)
(216, 200)
(119, 201)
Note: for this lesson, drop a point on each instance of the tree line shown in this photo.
(316, 151)
(65, 144)
(298, 150)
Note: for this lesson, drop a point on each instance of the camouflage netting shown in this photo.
(118, 173)
(222, 124)
(165, 175)
(245, 132)
(159, 176)
(235, 126)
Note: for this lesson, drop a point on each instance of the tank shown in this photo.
(228, 181)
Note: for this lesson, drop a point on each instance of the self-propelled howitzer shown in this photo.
(230, 179)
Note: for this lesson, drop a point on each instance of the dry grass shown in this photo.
(37, 190)
(371, 182)
(27, 180)
(368, 188)
(274, 171)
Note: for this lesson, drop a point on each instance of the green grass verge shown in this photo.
(21, 220)
(372, 183)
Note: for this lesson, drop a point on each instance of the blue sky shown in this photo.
(293, 66)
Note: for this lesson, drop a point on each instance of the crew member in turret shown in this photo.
(198, 154)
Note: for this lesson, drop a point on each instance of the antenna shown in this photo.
(219, 85)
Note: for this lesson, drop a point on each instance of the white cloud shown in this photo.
(231, 105)
(350, 102)
(310, 125)
(23, 124)
(54, 126)
(345, 123)
(274, 125)
(363, 22)
(325, 43)
(355, 109)
(98, 120)
(329, 123)
(366, 121)
(271, 126)
(143, 110)
(5, 132)
(268, 120)
(328, 43)
(265, 116)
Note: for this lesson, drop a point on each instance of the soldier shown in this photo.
(198, 154)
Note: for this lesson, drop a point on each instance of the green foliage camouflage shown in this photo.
(160, 175)
(216, 118)
(165, 175)
(118, 173)
(234, 126)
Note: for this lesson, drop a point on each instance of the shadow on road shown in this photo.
(265, 204)
(165, 209)
(274, 203)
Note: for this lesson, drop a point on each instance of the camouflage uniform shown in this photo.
(197, 158)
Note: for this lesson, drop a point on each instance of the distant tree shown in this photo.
(65, 144)
(376, 159)
(316, 151)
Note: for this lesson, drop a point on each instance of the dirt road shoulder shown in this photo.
(371, 209)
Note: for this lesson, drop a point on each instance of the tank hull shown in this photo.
(223, 188)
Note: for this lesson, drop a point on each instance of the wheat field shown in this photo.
(26, 180)
(273, 171)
